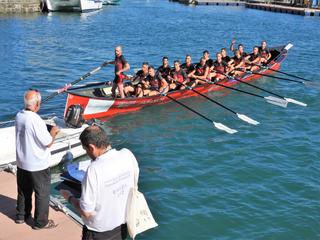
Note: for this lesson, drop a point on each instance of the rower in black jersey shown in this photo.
(253, 59)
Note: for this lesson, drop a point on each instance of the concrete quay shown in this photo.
(19, 6)
(66, 229)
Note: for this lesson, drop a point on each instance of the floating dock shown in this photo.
(66, 229)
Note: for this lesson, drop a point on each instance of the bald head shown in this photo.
(32, 100)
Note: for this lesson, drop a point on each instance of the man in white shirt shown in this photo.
(105, 187)
(32, 154)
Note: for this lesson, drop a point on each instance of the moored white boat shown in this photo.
(66, 140)
(73, 5)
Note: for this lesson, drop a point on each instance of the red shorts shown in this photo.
(119, 78)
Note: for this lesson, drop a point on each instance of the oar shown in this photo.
(290, 100)
(217, 125)
(76, 81)
(288, 74)
(240, 116)
(272, 100)
(281, 78)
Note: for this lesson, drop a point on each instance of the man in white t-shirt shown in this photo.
(105, 187)
(32, 154)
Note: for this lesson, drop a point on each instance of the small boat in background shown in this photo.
(73, 5)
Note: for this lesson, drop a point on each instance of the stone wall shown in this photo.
(19, 6)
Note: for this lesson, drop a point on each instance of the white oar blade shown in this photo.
(222, 127)
(312, 84)
(288, 46)
(276, 101)
(247, 119)
(290, 100)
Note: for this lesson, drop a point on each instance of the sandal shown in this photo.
(49, 225)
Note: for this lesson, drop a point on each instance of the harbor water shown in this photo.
(260, 183)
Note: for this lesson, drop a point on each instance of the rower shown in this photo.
(219, 69)
(206, 56)
(188, 66)
(177, 76)
(200, 73)
(253, 60)
(135, 86)
(164, 69)
(264, 52)
(240, 48)
(154, 83)
(120, 65)
(237, 62)
(225, 57)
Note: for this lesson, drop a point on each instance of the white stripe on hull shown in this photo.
(97, 106)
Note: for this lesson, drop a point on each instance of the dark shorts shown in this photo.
(119, 78)
(118, 233)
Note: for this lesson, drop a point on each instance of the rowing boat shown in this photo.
(97, 101)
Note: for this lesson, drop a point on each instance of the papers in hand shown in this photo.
(78, 170)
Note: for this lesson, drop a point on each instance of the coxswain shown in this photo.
(188, 66)
(253, 60)
(178, 78)
(135, 86)
(206, 56)
(200, 73)
(154, 83)
(164, 69)
(264, 52)
(121, 65)
(219, 69)
(236, 63)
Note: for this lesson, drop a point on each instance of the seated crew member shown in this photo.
(154, 83)
(188, 66)
(225, 57)
(237, 62)
(135, 87)
(264, 52)
(219, 68)
(200, 73)
(164, 69)
(177, 76)
(206, 56)
(253, 60)
(240, 48)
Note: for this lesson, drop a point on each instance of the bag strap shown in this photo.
(135, 174)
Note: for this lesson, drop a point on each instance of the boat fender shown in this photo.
(73, 117)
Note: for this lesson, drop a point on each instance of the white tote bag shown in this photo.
(139, 217)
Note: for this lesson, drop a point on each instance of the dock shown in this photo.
(66, 229)
(284, 9)
(298, 10)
